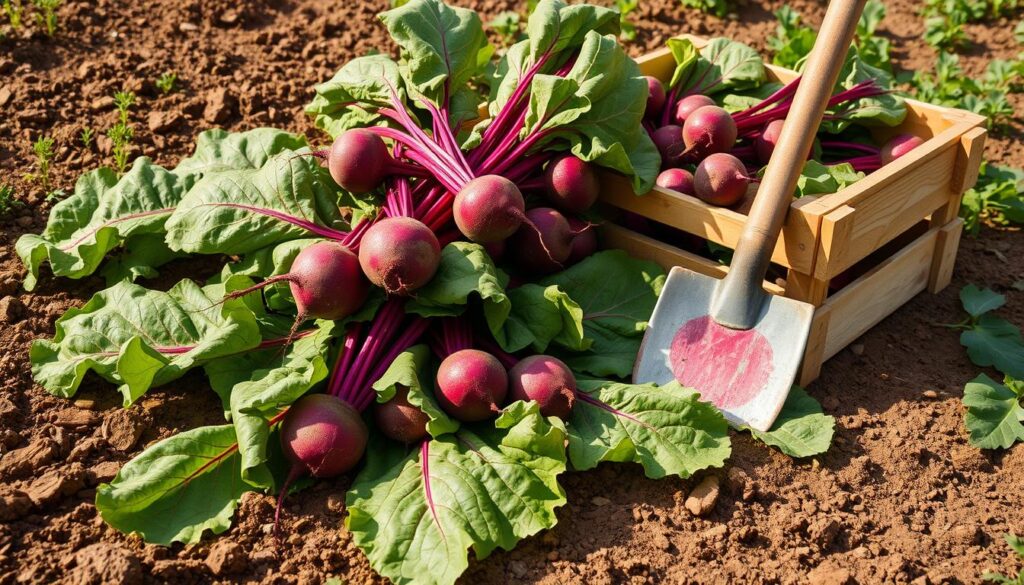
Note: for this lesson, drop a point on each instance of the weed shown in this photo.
(166, 82)
(717, 7)
(627, 31)
(46, 15)
(506, 24)
(7, 200)
(14, 10)
(43, 149)
(86, 137)
(122, 133)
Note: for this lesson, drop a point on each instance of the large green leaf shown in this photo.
(139, 257)
(801, 429)
(240, 211)
(103, 212)
(597, 108)
(465, 271)
(887, 109)
(443, 46)
(178, 488)
(218, 151)
(139, 338)
(994, 341)
(411, 369)
(350, 99)
(977, 301)
(541, 315)
(722, 64)
(994, 414)
(666, 429)
(415, 514)
(820, 179)
(615, 309)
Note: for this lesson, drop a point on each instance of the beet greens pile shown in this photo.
(421, 303)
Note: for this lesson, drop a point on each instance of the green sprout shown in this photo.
(7, 200)
(43, 149)
(166, 82)
(86, 137)
(13, 9)
(47, 14)
(122, 133)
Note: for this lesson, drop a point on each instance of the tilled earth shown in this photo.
(901, 497)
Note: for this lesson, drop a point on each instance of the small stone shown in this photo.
(103, 103)
(716, 533)
(85, 404)
(600, 501)
(160, 122)
(229, 17)
(884, 377)
(5, 95)
(267, 528)
(931, 394)
(829, 574)
(857, 349)
(219, 105)
(11, 309)
(187, 27)
(226, 558)
(123, 428)
(56, 484)
(336, 503)
(25, 221)
(703, 497)
(105, 563)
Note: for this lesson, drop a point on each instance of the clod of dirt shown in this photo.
(829, 574)
(56, 484)
(21, 461)
(75, 417)
(123, 428)
(161, 122)
(13, 504)
(5, 96)
(103, 472)
(220, 104)
(104, 564)
(703, 497)
(11, 309)
(226, 558)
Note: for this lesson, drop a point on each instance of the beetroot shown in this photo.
(546, 380)
(655, 96)
(488, 209)
(326, 281)
(688, 104)
(358, 160)
(543, 243)
(323, 435)
(399, 254)
(571, 184)
(584, 240)
(676, 179)
(471, 385)
(764, 144)
(400, 420)
(898, 146)
(496, 250)
(721, 179)
(669, 140)
(709, 129)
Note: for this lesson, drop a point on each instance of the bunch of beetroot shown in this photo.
(713, 154)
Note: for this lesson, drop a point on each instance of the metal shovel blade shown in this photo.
(745, 373)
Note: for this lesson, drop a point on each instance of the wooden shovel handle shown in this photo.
(738, 300)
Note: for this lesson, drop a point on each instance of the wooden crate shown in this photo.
(826, 236)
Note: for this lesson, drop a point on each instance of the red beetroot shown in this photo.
(358, 160)
(655, 96)
(669, 140)
(400, 420)
(488, 209)
(764, 144)
(584, 240)
(709, 129)
(543, 243)
(676, 179)
(399, 254)
(721, 179)
(471, 385)
(326, 281)
(323, 435)
(688, 104)
(898, 146)
(571, 184)
(546, 380)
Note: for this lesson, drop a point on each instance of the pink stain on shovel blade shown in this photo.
(727, 366)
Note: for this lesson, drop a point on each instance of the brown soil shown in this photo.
(900, 497)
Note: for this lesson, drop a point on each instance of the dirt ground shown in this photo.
(900, 498)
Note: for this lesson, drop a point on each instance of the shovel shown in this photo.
(737, 345)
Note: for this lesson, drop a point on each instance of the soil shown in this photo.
(901, 497)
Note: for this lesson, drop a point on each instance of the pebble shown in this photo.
(74, 417)
(160, 122)
(600, 501)
(11, 309)
(187, 27)
(219, 105)
(930, 394)
(703, 497)
(5, 95)
(123, 428)
(857, 349)
(226, 558)
(25, 221)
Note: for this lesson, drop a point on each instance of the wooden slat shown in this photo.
(814, 355)
(946, 244)
(863, 303)
(806, 288)
(641, 246)
(972, 148)
(795, 248)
